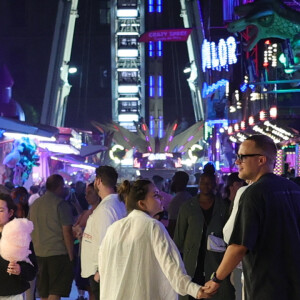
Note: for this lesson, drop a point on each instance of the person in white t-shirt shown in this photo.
(107, 212)
(237, 273)
(138, 259)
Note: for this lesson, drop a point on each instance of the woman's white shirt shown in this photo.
(138, 260)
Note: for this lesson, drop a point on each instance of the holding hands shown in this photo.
(203, 294)
(211, 287)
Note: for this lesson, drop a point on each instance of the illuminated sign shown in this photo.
(218, 57)
(207, 90)
(166, 35)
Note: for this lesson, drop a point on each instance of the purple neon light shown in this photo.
(171, 138)
(190, 138)
(147, 138)
(180, 148)
(149, 149)
(167, 148)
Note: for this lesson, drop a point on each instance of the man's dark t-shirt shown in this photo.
(268, 224)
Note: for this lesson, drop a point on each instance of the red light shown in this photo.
(265, 64)
(267, 42)
(144, 127)
(175, 126)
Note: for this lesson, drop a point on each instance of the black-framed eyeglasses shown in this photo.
(241, 157)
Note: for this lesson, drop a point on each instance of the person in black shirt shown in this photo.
(198, 217)
(14, 276)
(266, 234)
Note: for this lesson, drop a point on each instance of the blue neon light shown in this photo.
(160, 86)
(151, 6)
(159, 46)
(151, 126)
(209, 89)
(212, 123)
(160, 127)
(151, 86)
(150, 49)
(245, 85)
(159, 6)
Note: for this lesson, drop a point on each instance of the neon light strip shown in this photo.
(151, 86)
(151, 126)
(160, 127)
(209, 89)
(159, 6)
(160, 86)
(159, 49)
(151, 48)
(151, 6)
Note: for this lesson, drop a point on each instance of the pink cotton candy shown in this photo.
(14, 244)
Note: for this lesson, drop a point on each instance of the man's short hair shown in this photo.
(53, 182)
(108, 175)
(181, 180)
(265, 144)
(157, 179)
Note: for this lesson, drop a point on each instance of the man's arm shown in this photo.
(233, 255)
(68, 239)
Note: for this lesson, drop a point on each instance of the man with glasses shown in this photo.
(266, 233)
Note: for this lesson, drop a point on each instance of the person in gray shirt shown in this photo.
(178, 185)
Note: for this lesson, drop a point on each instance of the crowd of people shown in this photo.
(144, 239)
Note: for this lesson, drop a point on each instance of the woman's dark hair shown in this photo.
(231, 179)
(138, 191)
(9, 203)
(123, 190)
(91, 184)
(209, 175)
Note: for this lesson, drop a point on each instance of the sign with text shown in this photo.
(166, 35)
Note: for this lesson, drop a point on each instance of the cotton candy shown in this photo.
(15, 241)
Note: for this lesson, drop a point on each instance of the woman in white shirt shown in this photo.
(137, 258)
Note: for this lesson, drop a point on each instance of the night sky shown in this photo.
(26, 31)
